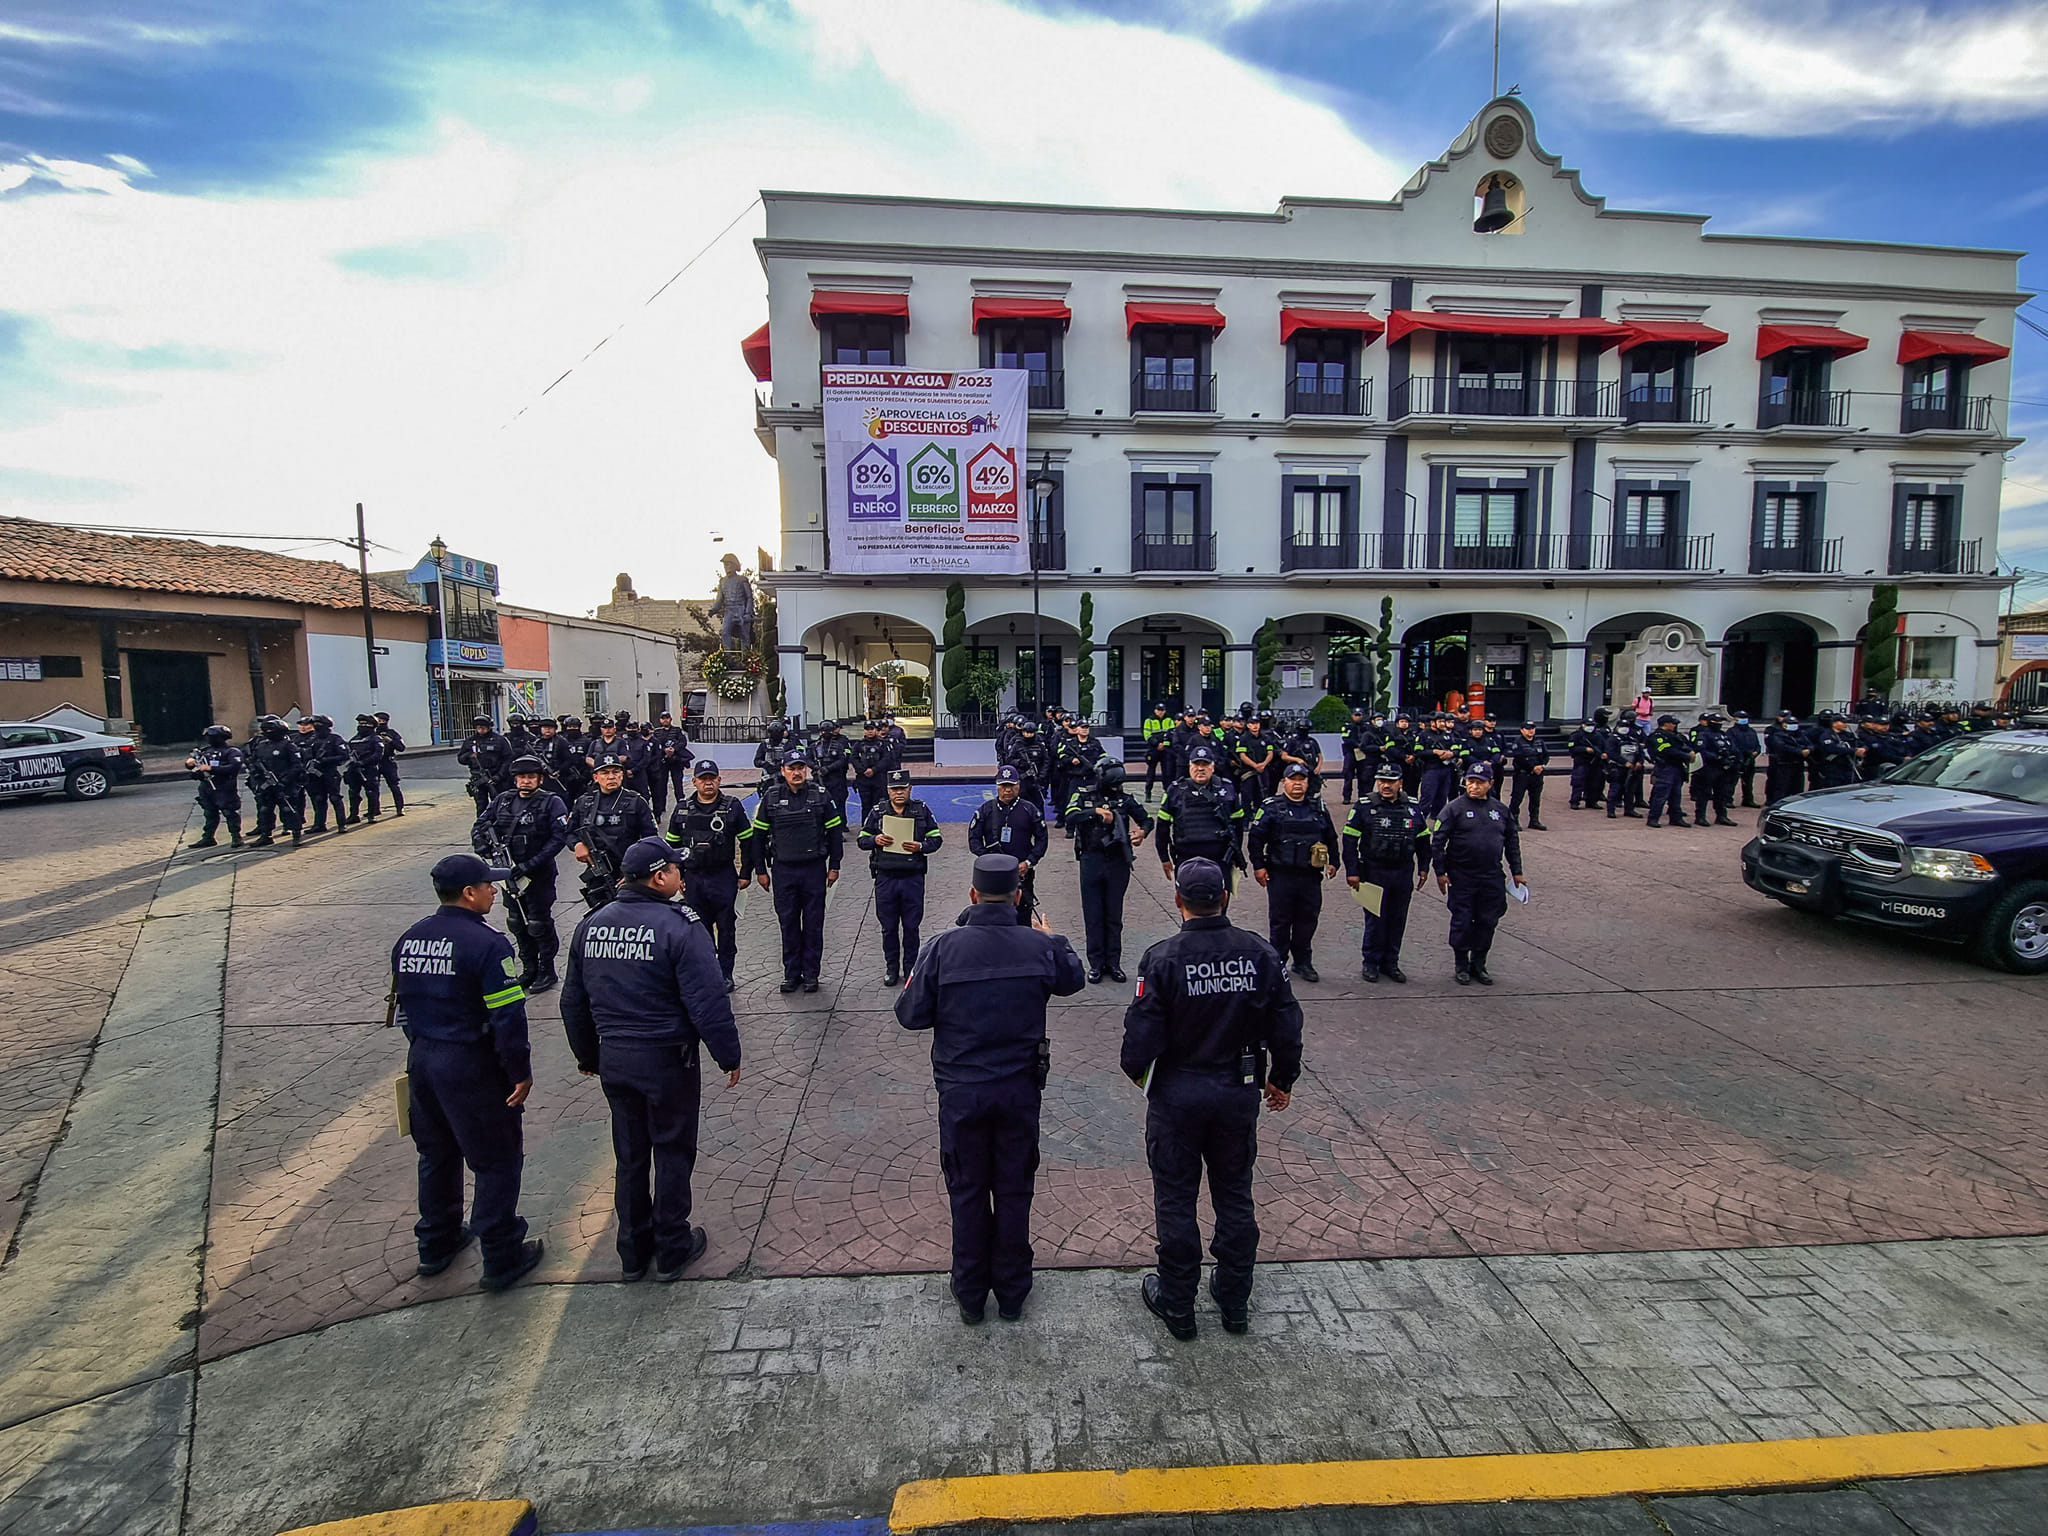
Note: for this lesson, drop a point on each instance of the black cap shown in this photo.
(610, 760)
(460, 869)
(366, 719)
(665, 715)
(1478, 771)
(995, 874)
(216, 733)
(645, 857)
(796, 758)
(1200, 881)
(549, 722)
(1008, 775)
(1667, 719)
(706, 769)
(899, 778)
(1295, 771)
(521, 765)
(1201, 755)
(1387, 771)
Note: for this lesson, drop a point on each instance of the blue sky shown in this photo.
(259, 261)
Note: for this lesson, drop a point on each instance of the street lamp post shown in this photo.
(438, 553)
(1042, 487)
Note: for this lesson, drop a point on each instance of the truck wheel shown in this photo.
(87, 783)
(2015, 933)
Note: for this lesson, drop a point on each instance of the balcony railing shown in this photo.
(1173, 552)
(1803, 408)
(1944, 557)
(1543, 399)
(1329, 397)
(1172, 392)
(1815, 557)
(1557, 552)
(1945, 413)
(1658, 403)
(1048, 389)
(1049, 549)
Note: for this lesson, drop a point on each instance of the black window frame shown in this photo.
(1676, 406)
(1201, 545)
(1808, 551)
(1347, 399)
(1048, 387)
(1052, 540)
(1940, 555)
(1922, 409)
(1340, 549)
(1150, 341)
(830, 327)
(1628, 552)
(1795, 388)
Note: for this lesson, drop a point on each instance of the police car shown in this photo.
(36, 759)
(1952, 844)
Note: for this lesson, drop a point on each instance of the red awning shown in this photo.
(1292, 320)
(892, 304)
(1914, 345)
(1208, 316)
(1403, 321)
(755, 350)
(1773, 339)
(1021, 309)
(1642, 333)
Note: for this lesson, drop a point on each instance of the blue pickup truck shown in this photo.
(1952, 844)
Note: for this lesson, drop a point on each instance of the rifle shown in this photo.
(601, 879)
(500, 856)
(261, 779)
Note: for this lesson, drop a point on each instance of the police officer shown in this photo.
(468, 1071)
(1010, 824)
(1670, 753)
(981, 988)
(1096, 817)
(555, 752)
(1361, 747)
(575, 773)
(217, 764)
(717, 838)
(1434, 750)
(1258, 761)
(525, 828)
(324, 755)
(1527, 757)
(1472, 836)
(832, 758)
(1883, 746)
(1213, 1009)
(1748, 747)
(1476, 746)
(603, 824)
(1834, 754)
(1160, 766)
(769, 752)
(643, 992)
(898, 870)
(1386, 840)
(1589, 764)
(1078, 755)
(278, 780)
(668, 763)
(517, 736)
(1291, 847)
(364, 772)
(485, 755)
(875, 757)
(1201, 817)
(800, 837)
(1713, 782)
(1033, 762)
(1300, 746)
(387, 768)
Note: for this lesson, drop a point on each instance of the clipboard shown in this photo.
(1369, 896)
(403, 1089)
(1519, 892)
(899, 830)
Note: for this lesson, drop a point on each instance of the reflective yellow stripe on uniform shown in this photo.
(834, 821)
(505, 998)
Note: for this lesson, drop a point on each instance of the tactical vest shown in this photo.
(1198, 815)
(796, 822)
(709, 832)
(1390, 832)
(1294, 835)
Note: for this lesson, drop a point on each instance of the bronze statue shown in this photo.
(735, 608)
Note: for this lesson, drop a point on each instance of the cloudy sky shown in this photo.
(263, 259)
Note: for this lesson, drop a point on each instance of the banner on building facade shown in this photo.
(925, 471)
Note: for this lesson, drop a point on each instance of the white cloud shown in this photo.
(1762, 68)
(592, 179)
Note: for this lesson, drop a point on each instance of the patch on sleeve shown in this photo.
(511, 965)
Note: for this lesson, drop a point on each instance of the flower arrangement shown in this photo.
(733, 675)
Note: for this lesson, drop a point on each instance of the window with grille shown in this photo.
(1646, 515)
(1922, 522)
(1172, 513)
(1784, 519)
(1490, 519)
(594, 692)
(1319, 514)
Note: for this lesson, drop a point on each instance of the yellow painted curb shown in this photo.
(1465, 1479)
(464, 1517)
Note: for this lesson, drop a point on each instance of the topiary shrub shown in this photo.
(1330, 715)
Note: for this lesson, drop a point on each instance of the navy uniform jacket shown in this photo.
(1670, 749)
(888, 861)
(1834, 758)
(671, 744)
(324, 752)
(713, 833)
(1473, 836)
(458, 980)
(629, 750)
(1743, 734)
(1031, 759)
(1525, 756)
(1302, 747)
(642, 968)
(1285, 833)
(279, 758)
(485, 755)
(768, 755)
(559, 758)
(366, 750)
(1205, 994)
(981, 989)
(393, 742)
(613, 822)
(1199, 814)
(1017, 829)
(1382, 835)
(533, 828)
(833, 755)
(219, 771)
(797, 825)
(1094, 835)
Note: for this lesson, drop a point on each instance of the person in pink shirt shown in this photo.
(1645, 706)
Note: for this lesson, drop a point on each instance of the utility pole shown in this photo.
(369, 625)
(1496, 49)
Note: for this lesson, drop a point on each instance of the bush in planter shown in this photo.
(1330, 715)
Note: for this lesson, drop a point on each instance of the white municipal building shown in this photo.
(1581, 448)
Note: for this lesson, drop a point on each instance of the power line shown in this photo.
(212, 533)
(664, 288)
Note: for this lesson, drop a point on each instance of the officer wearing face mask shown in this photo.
(523, 829)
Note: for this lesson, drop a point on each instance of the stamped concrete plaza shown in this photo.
(1697, 1169)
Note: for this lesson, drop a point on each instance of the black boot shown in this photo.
(1479, 972)
(262, 842)
(298, 839)
(206, 842)
(1463, 975)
